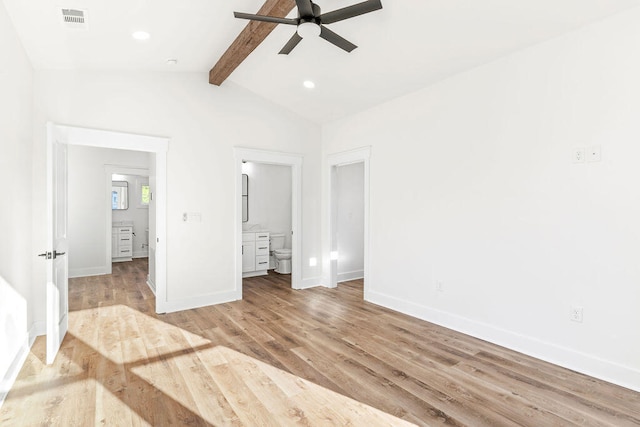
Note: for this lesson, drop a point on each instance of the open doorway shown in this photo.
(349, 197)
(153, 149)
(266, 220)
(348, 184)
(130, 223)
(292, 164)
(103, 198)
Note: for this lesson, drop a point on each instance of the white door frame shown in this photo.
(86, 137)
(360, 155)
(273, 158)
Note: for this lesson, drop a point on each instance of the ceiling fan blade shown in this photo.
(332, 37)
(350, 11)
(264, 18)
(293, 42)
(305, 8)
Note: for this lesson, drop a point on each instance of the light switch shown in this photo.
(593, 153)
(578, 155)
(192, 217)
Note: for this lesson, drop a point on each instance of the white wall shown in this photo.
(204, 123)
(350, 220)
(473, 186)
(269, 198)
(88, 202)
(136, 213)
(16, 252)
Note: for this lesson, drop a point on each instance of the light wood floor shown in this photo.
(283, 357)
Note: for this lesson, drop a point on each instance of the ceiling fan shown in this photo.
(310, 22)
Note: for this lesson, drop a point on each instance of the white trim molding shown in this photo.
(73, 135)
(88, 271)
(6, 382)
(624, 376)
(330, 261)
(350, 275)
(200, 301)
(273, 158)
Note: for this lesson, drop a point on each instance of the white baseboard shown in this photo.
(350, 275)
(9, 377)
(151, 285)
(254, 273)
(89, 271)
(37, 329)
(195, 302)
(310, 282)
(624, 376)
(141, 254)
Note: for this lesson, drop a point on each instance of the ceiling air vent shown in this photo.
(74, 18)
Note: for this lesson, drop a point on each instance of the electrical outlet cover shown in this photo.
(578, 155)
(594, 153)
(576, 314)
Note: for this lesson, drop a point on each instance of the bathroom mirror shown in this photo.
(245, 197)
(119, 195)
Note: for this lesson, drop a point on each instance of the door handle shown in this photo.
(57, 254)
(46, 255)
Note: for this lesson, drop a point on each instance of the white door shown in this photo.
(57, 268)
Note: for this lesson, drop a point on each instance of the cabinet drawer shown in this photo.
(248, 237)
(124, 240)
(262, 236)
(125, 251)
(262, 262)
(125, 230)
(262, 247)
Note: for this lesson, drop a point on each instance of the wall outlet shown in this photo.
(439, 286)
(593, 153)
(576, 314)
(578, 155)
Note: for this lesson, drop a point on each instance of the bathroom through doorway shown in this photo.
(251, 225)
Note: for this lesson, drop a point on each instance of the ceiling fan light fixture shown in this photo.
(308, 29)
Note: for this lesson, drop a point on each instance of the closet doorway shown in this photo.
(344, 212)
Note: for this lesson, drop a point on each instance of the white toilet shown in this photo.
(281, 254)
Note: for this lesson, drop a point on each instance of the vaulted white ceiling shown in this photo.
(405, 46)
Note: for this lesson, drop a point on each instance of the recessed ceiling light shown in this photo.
(309, 84)
(172, 61)
(141, 35)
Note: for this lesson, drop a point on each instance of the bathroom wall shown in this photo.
(137, 214)
(350, 221)
(88, 206)
(269, 198)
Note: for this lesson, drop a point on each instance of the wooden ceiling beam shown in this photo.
(250, 38)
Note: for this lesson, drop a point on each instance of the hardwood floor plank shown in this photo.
(285, 357)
